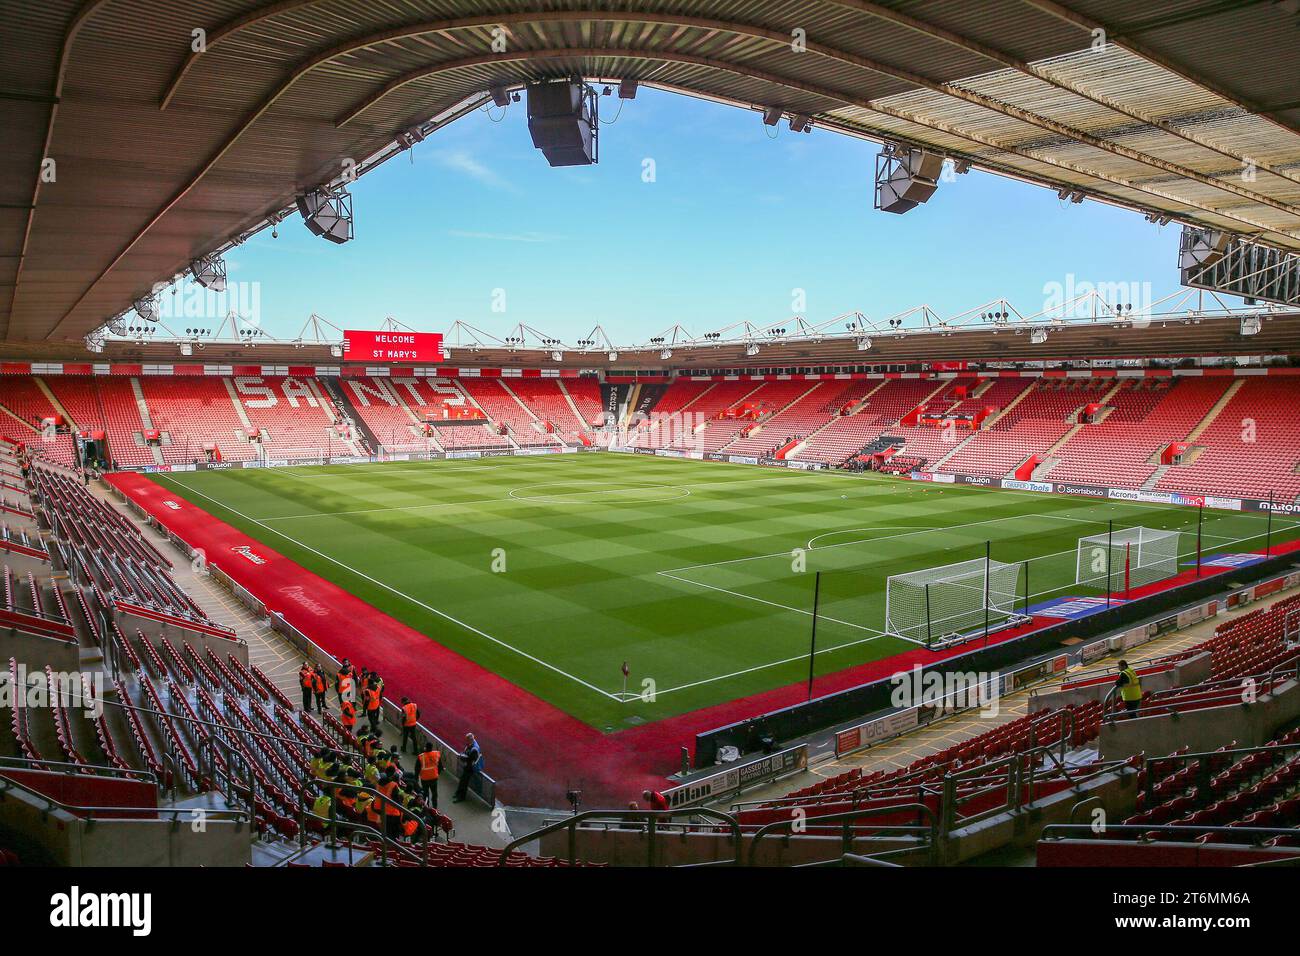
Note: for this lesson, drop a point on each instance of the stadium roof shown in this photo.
(1188, 111)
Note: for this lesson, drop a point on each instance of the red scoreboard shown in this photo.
(392, 346)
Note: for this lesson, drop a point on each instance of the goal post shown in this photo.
(1129, 557)
(934, 604)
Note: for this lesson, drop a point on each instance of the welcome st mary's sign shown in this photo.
(392, 346)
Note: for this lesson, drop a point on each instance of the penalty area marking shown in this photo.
(402, 594)
(810, 546)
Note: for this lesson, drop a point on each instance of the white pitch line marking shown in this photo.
(904, 534)
(392, 590)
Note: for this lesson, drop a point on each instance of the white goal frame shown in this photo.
(934, 604)
(1136, 555)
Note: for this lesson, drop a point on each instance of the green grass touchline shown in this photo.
(552, 571)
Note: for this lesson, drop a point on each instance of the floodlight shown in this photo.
(210, 272)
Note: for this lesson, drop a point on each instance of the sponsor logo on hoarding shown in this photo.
(1225, 504)
(248, 554)
(1081, 491)
(976, 480)
(742, 460)
(1072, 608)
(171, 504)
(1016, 484)
(1231, 560)
(1129, 494)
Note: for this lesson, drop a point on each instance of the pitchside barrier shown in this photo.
(738, 776)
(381, 458)
(878, 730)
(1129, 623)
(1068, 488)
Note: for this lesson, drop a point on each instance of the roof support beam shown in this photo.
(786, 82)
(1116, 36)
(1028, 69)
(56, 95)
(783, 39)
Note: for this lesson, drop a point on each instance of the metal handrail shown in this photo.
(1065, 717)
(1229, 684)
(650, 818)
(1106, 671)
(427, 829)
(857, 859)
(1067, 831)
(28, 763)
(848, 834)
(384, 840)
(1203, 758)
(88, 812)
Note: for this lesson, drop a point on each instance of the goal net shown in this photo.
(1131, 557)
(936, 603)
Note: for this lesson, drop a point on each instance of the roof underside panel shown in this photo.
(1188, 110)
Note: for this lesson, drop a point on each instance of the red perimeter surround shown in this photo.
(533, 749)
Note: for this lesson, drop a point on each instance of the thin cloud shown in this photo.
(462, 162)
(503, 236)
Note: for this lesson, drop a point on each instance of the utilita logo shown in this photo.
(296, 594)
(248, 554)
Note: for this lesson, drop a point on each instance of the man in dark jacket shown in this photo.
(471, 765)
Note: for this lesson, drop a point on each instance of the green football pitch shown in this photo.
(552, 571)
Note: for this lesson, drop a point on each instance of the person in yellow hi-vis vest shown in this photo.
(1130, 688)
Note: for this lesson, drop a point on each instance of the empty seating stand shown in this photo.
(1252, 448)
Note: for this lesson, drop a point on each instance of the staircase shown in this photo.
(955, 448)
(145, 418)
(1215, 409)
(582, 426)
(1155, 477)
(340, 399)
(862, 402)
(1049, 462)
(994, 419)
(58, 406)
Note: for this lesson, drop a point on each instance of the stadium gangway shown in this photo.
(849, 831)
(1137, 663)
(651, 820)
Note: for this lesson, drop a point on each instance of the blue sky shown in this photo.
(734, 222)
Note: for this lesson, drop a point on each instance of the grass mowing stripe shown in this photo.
(400, 594)
(582, 590)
